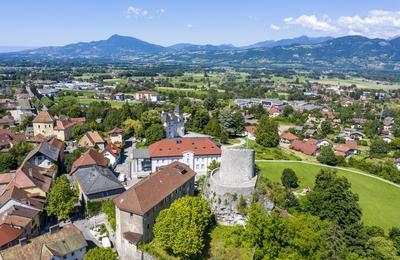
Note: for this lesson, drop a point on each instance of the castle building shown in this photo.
(44, 124)
(138, 207)
(174, 123)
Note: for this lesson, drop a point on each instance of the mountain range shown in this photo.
(323, 52)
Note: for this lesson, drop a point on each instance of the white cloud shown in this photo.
(161, 11)
(136, 12)
(313, 23)
(189, 25)
(377, 23)
(274, 27)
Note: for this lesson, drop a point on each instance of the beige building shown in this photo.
(92, 139)
(138, 207)
(44, 124)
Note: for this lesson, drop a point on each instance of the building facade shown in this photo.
(138, 207)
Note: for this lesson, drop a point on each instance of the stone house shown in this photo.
(66, 242)
(138, 207)
(46, 125)
(92, 139)
(116, 135)
(96, 183)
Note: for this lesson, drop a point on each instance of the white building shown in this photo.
(197, 153)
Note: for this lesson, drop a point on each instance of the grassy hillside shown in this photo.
(379, 200)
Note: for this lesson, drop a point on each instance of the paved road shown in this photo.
(333, 167)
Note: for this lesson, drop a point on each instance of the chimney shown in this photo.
(23, 241)
(54, 229)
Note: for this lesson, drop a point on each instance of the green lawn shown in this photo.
(274, 153)
(87, 101)
(379, 200)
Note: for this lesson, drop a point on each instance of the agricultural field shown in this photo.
(361, 83)
(377, 198)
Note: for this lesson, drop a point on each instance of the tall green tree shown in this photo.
(99, 253)
(289, 179)
(61, 198)
(154, 133)
(181, 228)
(267, 132)
(327, 156)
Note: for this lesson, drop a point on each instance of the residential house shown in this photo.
(387, 138)
(397, 163)
(7, 121)
(310, 133)
(9, 236)
(250, 132)
(92, 139)
(308, 147)
(46, 125)
(274, 112)
(89, 158)
(66, 242)
(112, 152)
(288, 138)
(96, 183)
(197, 153)
(47, 154)
(347, 149)
(147, 96)
(388, 124)
(138, 207)
(8, 138)
(116, 135)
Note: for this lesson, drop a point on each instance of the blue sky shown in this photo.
(165, 22)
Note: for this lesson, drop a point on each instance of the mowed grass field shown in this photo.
(380, 201)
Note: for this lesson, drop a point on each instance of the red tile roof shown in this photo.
(43, 117)
(250, 129)
(308, 147)
(273, 110)
(8, 234)
(63, 124)
(176, 147)
(90, 157)
(146, 194)
(113, 149)
(289, 136)
(116, 131)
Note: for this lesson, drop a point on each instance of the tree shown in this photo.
(327, 156)
(287, 110)
(332, 199)
(79, 130)
(289, 179)
(154, 133)
(326, 128)
(267, 132)
(231, 122)
(181, 228)
(69, 159)
(210, 101)
(7, 162)
(113, 119)
(394, 235)
(378, 147)
(61, 198)
(20, 151)
(381, 248)
(108, 207)
(100, 253)
(335, 247)
(213, 128)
